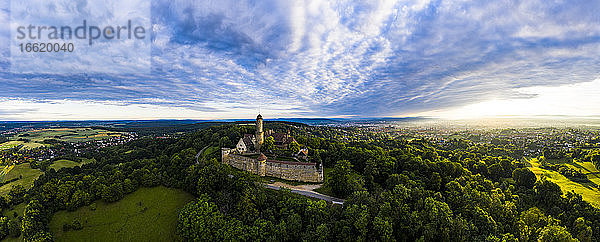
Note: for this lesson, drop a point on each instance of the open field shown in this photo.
(36, 138)
(6, 170)
(589, 191)
(19, 209)
(66, 134)
(66, 163)
(15, 143)
(25, 172)
(149, 214)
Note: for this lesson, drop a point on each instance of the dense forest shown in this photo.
(395, 190)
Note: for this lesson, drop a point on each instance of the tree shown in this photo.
(3, 227)
(201, 220)
(435, 182)
(524, 177)
(555, 233)
(128, 186)
(342, 181)
(437, 220)
(17, 192)
(548, 193)
(384, 229)
(594, 157)
(294, 147)
(78, 199)
(268, 144)
(322, 233)
(531, 223)
(14, 227)
(41, 236)
(113, 192)
(582, 231)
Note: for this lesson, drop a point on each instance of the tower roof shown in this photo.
(262, 157)
(259, 116)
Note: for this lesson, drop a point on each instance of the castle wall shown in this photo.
(295, 171)
(240, 162)
(306, 172)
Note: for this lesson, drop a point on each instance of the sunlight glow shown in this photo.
(582, 99)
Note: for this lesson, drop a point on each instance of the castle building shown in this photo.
(260, 135)
(244, 157)
(251, 143)
(263, 166)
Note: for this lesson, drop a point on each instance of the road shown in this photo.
(200, 153)
(297, 191)
(310, 194)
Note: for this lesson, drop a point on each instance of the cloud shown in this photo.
(31, 23)
(580, 99)
(340, 58)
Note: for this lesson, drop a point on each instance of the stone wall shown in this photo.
(295, 171)
(238, 161)
(306, 172)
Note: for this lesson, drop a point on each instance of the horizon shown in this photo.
(505, 117)
(198, 60)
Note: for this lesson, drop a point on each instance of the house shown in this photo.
(281, 140)
(246, 144)
(302, 154)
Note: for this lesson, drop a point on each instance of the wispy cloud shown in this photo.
(337, 58)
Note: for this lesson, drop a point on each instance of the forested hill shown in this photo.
(395, 189)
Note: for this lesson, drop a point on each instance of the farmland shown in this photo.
(40, 137)
(25, 175)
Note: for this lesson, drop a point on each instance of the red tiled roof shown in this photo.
(292, 162)
(282, 138)
(262, 157)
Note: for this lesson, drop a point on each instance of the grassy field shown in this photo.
(19, 209)
(587, 168)
(37, 137)
(23, 171)
(6, 170)
(27, 174)
(65, 163)
(589, 191)
(15, 143)
(66, 134)
(149, 214)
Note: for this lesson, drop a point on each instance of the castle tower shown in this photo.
(260, 135)
(262, 164)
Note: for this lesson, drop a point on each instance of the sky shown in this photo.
(232, 59)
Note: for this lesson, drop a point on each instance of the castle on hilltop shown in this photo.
(252, 143)
(247, 156)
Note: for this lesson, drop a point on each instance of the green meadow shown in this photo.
(19, 209)
(66, 163)
(27, 175)
(148, 214)
(588, 190)
(14, 143)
